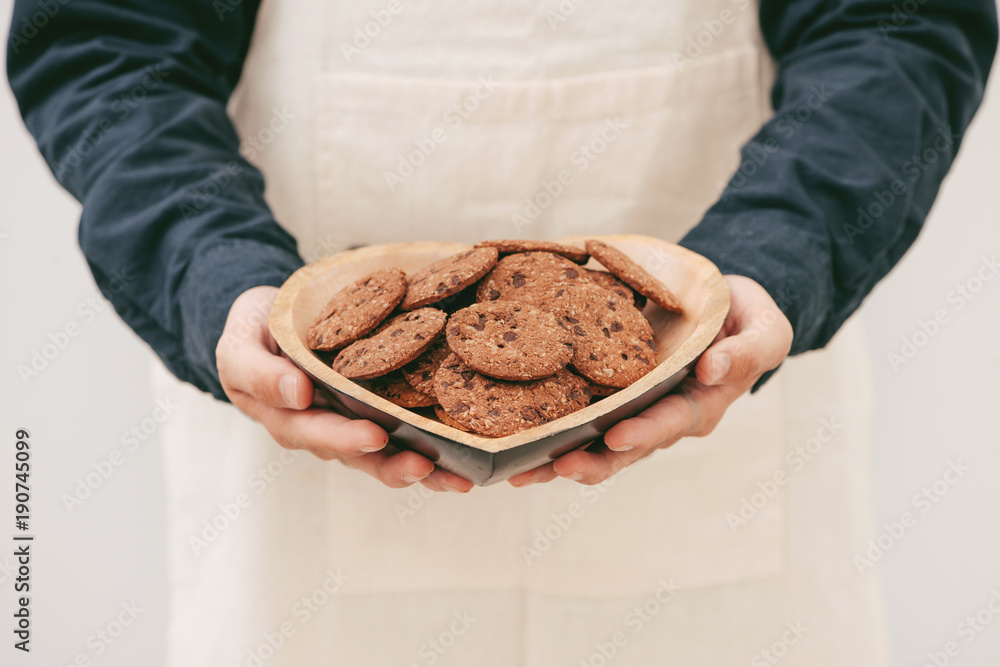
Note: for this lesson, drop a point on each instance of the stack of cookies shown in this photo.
(496, 339)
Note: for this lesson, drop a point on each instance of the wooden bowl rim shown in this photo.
(282, 327)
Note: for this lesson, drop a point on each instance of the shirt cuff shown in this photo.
(789, 291)
(215, 277)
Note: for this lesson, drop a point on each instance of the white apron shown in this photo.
(392, 120)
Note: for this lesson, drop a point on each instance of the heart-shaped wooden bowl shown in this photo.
(680, 340)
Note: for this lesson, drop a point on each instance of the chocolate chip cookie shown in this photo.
(496, 408)
(446, 419)
(394, 387)
(509, 340)
(393, 345)
(510, 247)
(527, 277)
(613, 343)
(420, 372)
(441, 279)
(357, 309)
(599, 391)
(608, 281)
(636, 277)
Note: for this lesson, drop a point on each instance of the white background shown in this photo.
(942, 406)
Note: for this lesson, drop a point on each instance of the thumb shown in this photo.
(248, 360)
(741, 358)
(253, 369)
(714, 366)
(761, 337)
(726, 362)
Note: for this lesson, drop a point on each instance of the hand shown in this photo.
(273, 391)
(755, 338)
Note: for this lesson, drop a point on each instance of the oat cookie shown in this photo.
(527, 277)
(393, 387)
(445, 419)
(613, 343)
(608, 281)
(509, 340)
(420, 372)
(394, 344)
(602, 390)
(357, 309)
(458, 301)
(633, 275)
(510, 247)
(448, 276)
(496, 408)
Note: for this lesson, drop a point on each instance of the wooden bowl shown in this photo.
(680, 340)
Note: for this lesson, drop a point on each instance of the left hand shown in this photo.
(754, 339)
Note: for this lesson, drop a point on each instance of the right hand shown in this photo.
(273, 391)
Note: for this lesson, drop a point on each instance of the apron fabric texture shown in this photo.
(385, 121)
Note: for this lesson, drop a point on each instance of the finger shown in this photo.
(251, 368)
(324, 433)
(744, 356)
(658, 426)
(394, 468)
(448, 482)
(664, 422)
(539, 475)
(714, 365)
(249, 360)
(739, 360)
(730, 361)
(595, 464)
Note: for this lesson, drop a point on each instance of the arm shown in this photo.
(886, 96)
(127, 101)
(804, 235)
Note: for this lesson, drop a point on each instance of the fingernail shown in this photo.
(720, 366)
(410, 479)
(576, 477)
(370, 448)
(450, 489)
(289, 386)
(623, 447)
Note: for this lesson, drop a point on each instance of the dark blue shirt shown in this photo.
(817, 213)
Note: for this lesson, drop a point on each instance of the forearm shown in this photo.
(127, 104)
(870, 109)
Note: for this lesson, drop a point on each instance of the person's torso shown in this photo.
(394, 120)
(383, 121)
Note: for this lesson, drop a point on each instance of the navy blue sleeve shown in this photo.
(127, 102)
(871, 102)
